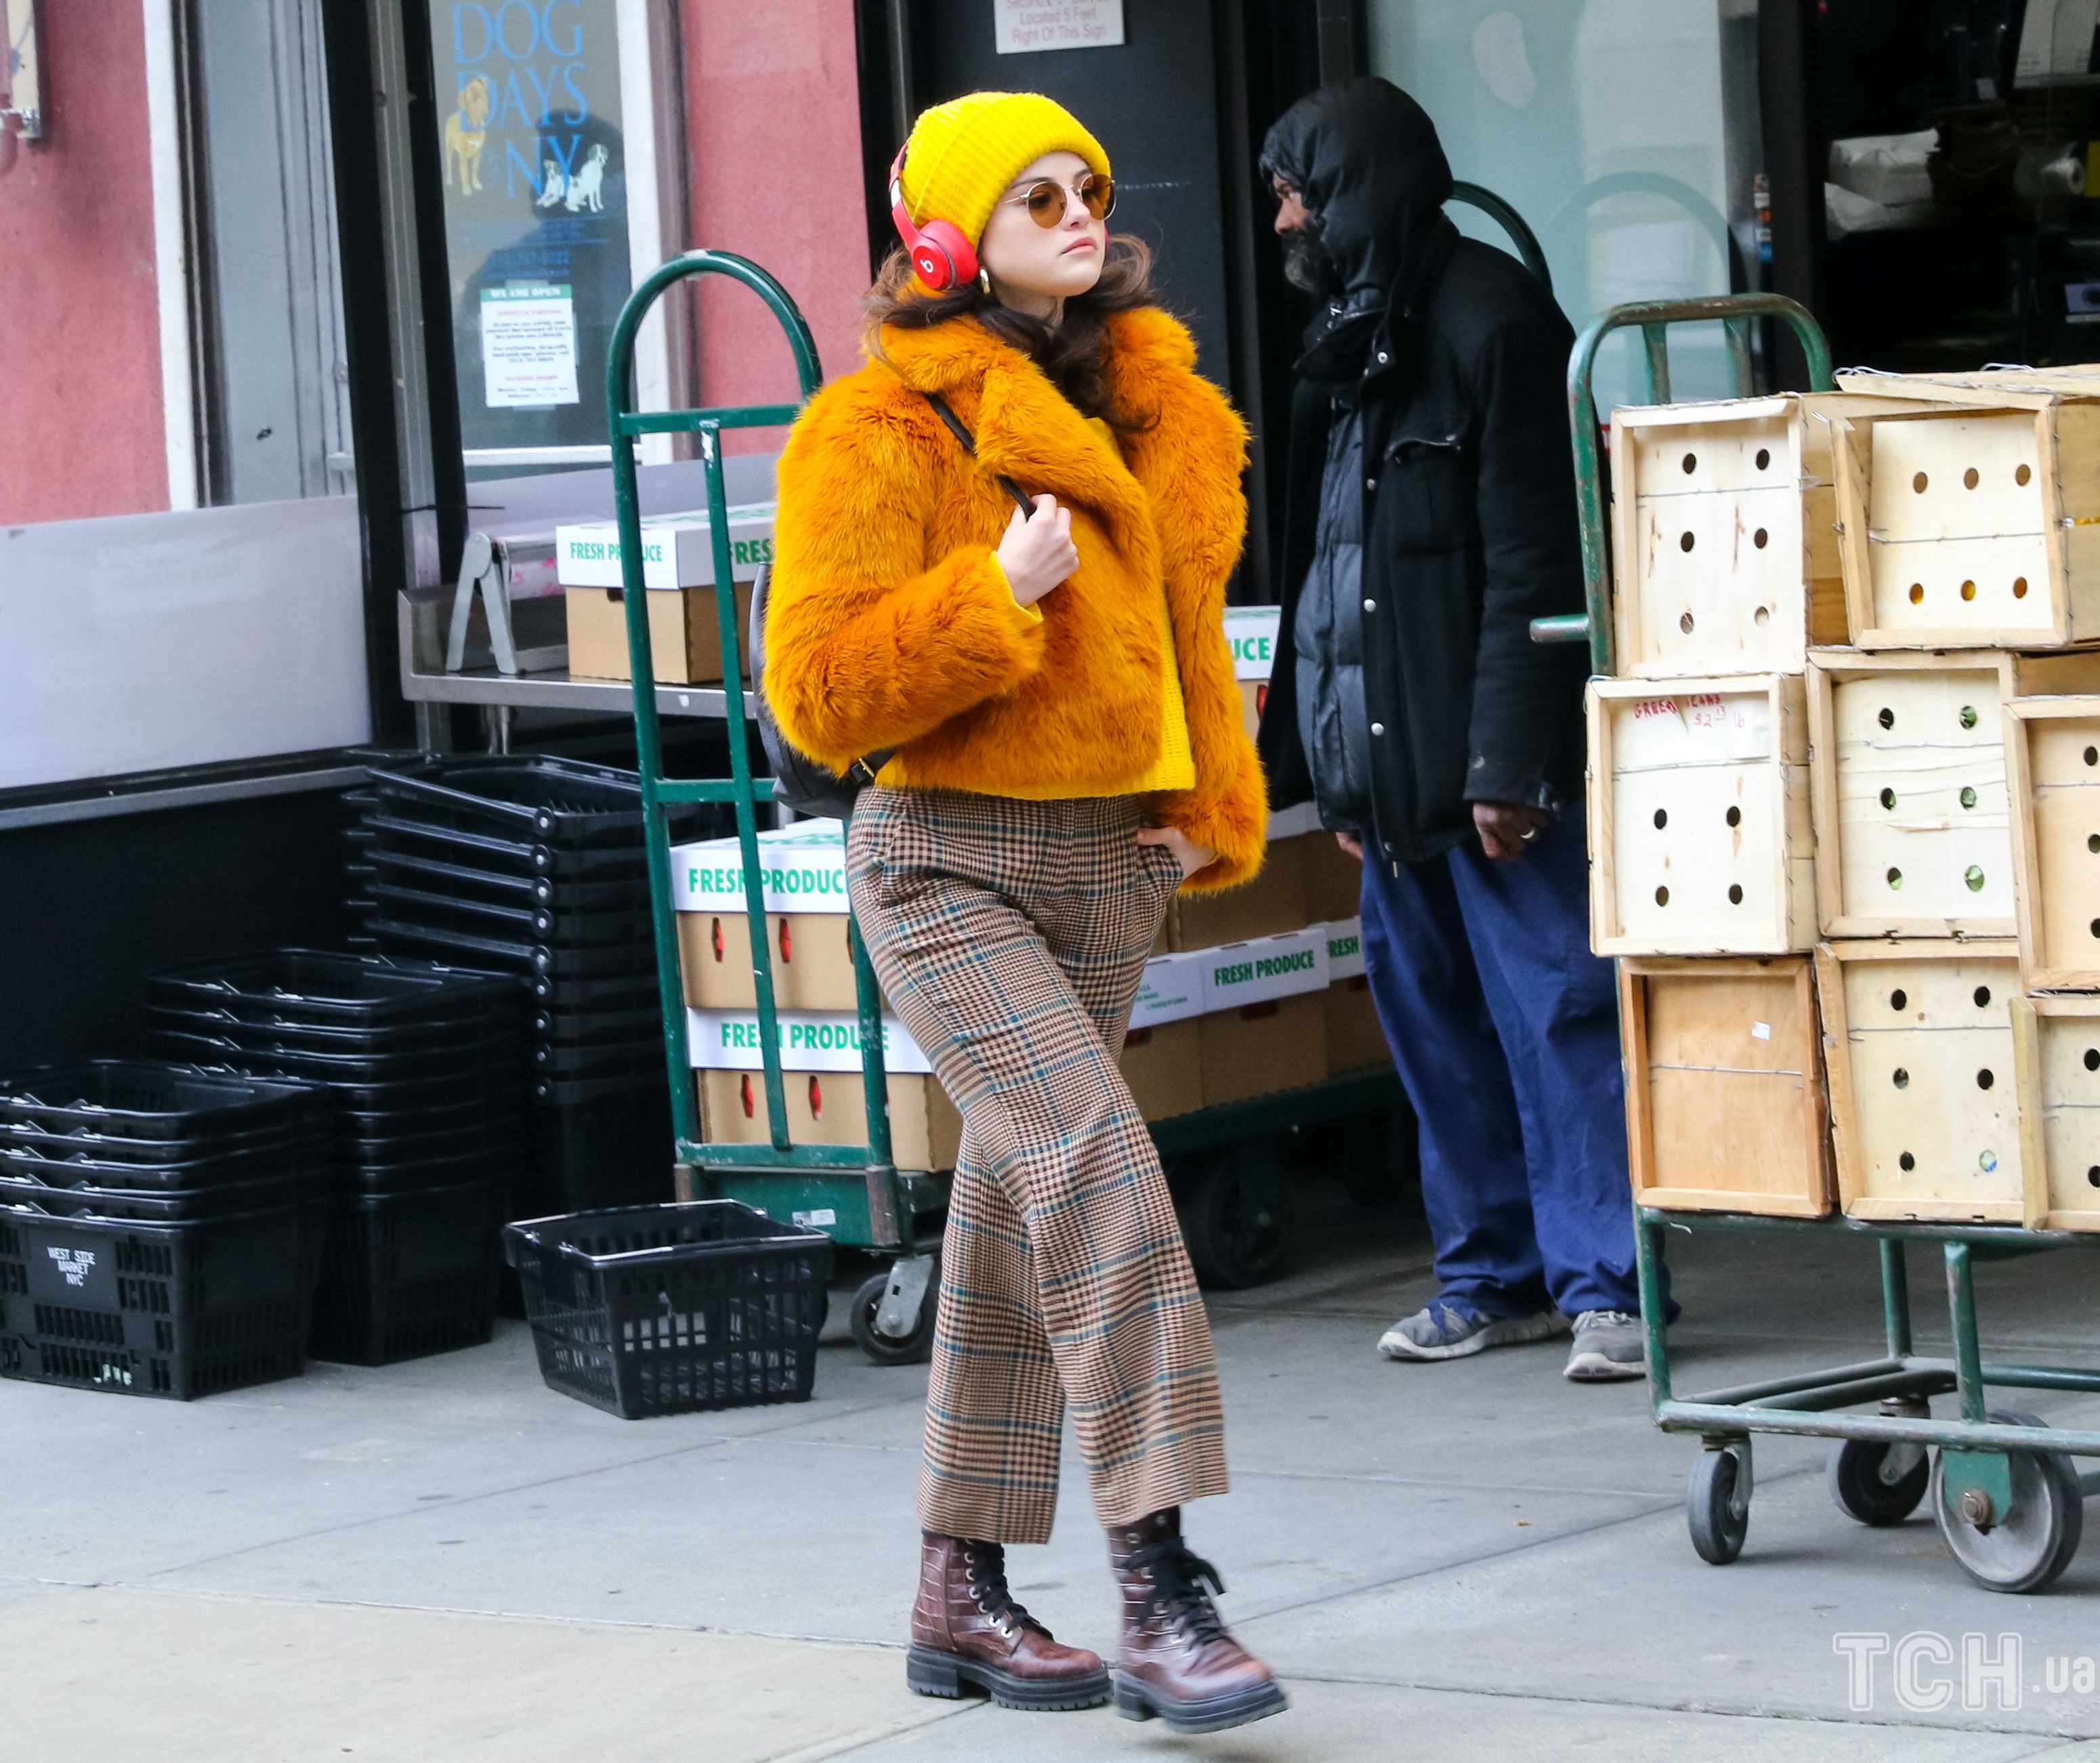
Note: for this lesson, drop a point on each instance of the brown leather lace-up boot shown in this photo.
(1178, 1662)
(968, 1633)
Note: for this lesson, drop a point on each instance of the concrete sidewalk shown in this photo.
(445, 1561)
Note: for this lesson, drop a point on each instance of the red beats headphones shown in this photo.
(941, 255)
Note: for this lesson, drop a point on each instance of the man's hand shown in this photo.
(1506, 829)
(1351, 844)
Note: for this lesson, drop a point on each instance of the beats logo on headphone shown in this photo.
(941, 255)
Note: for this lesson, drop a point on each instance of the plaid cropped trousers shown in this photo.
(1010, 937)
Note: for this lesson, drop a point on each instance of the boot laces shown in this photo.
(1179, 1576)
(984, 1567)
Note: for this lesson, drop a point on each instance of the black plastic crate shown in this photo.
(79, 1165)
(112, 1147)
(406, 1275)
(510, 857)
(179, 1310)
(524, 892)
(672, 1309)
(591, 1144)
(537, 797)
(631, 961)
(520, 921)
(182, 1033)
(149, 1099)
(154, 1204)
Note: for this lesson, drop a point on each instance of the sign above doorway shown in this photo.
(1024, 26)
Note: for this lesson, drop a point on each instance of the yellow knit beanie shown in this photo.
(962, 154)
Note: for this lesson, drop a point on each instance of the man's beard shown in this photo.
(1307, 266)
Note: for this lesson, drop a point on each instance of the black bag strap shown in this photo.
(970, 446)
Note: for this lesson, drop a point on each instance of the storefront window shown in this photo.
(1606, 123)
(537, 197)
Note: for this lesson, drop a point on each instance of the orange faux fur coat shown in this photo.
(890, 625)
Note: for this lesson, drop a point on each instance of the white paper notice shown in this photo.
(528, 346)
(1023, 25)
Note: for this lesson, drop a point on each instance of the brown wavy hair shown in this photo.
(1074, 355)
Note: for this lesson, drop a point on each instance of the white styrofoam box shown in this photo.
(1251, 631)
(1172, 989)
(1264, 967)
(1699, 817)
(1345, 947)
(677, 550)
(728, 1040)
(804, 868)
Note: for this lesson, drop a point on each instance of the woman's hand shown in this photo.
(1187, 852)
(1037, 552)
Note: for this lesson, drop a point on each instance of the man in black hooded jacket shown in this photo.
(1430, 518)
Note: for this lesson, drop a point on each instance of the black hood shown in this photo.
(1365, 159)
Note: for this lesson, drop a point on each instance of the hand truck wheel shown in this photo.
(1717, 1500)
(1878, 1483)
(1237, 1215)
(879, 1336)
(2024, 1549)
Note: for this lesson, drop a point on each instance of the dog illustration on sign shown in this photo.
(583, 183)
(467, 133)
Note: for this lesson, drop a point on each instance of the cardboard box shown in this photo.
(1356, 1038)
(1333, 879)
(812, 968)
(803, 869)
(1264, 968)
(728, 1040)
(1273, 901)
(1280, 1043)
(830, 1107)
(1254, 699)
(1163, 1067)
(684, 634)
(1251, 632)
(677, 550)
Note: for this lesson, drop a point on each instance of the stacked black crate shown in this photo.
(535, 866)
(160, 1228)
(421, 1067)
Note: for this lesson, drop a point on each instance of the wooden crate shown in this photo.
(1724, 540)
(1924, 1104)
(1913, 833)
(1975, 523)
(2053, 773)
(2056, 1045)
(1725, 1102)
(1699, 817)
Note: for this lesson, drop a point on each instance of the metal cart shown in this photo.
(2004, 1491)
(1228, 1166)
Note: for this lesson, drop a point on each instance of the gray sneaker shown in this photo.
(1442, 1330)
(1610, 1347)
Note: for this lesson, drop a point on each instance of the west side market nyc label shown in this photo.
(1263, 967)
(803, 867)
(728, 1040)
(677, 549)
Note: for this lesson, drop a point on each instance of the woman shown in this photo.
(1068, 751)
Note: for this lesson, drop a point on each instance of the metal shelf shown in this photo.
(423, 619)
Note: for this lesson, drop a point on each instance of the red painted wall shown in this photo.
(81, 428)
(773, 132)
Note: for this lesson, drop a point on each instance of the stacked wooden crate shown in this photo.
(1840, 798)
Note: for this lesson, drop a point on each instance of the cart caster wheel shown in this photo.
(1238, 1217)
(2026, 1550)
(1717, 1501)
(1878, 1483)
(915, 1348)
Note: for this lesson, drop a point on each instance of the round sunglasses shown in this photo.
(1046, 203)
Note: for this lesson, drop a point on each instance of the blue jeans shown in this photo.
(1505, 1031)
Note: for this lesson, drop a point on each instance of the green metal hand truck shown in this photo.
(2008, 1498)
(873, 1204)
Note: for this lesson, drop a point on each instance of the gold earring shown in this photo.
(984, 279)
